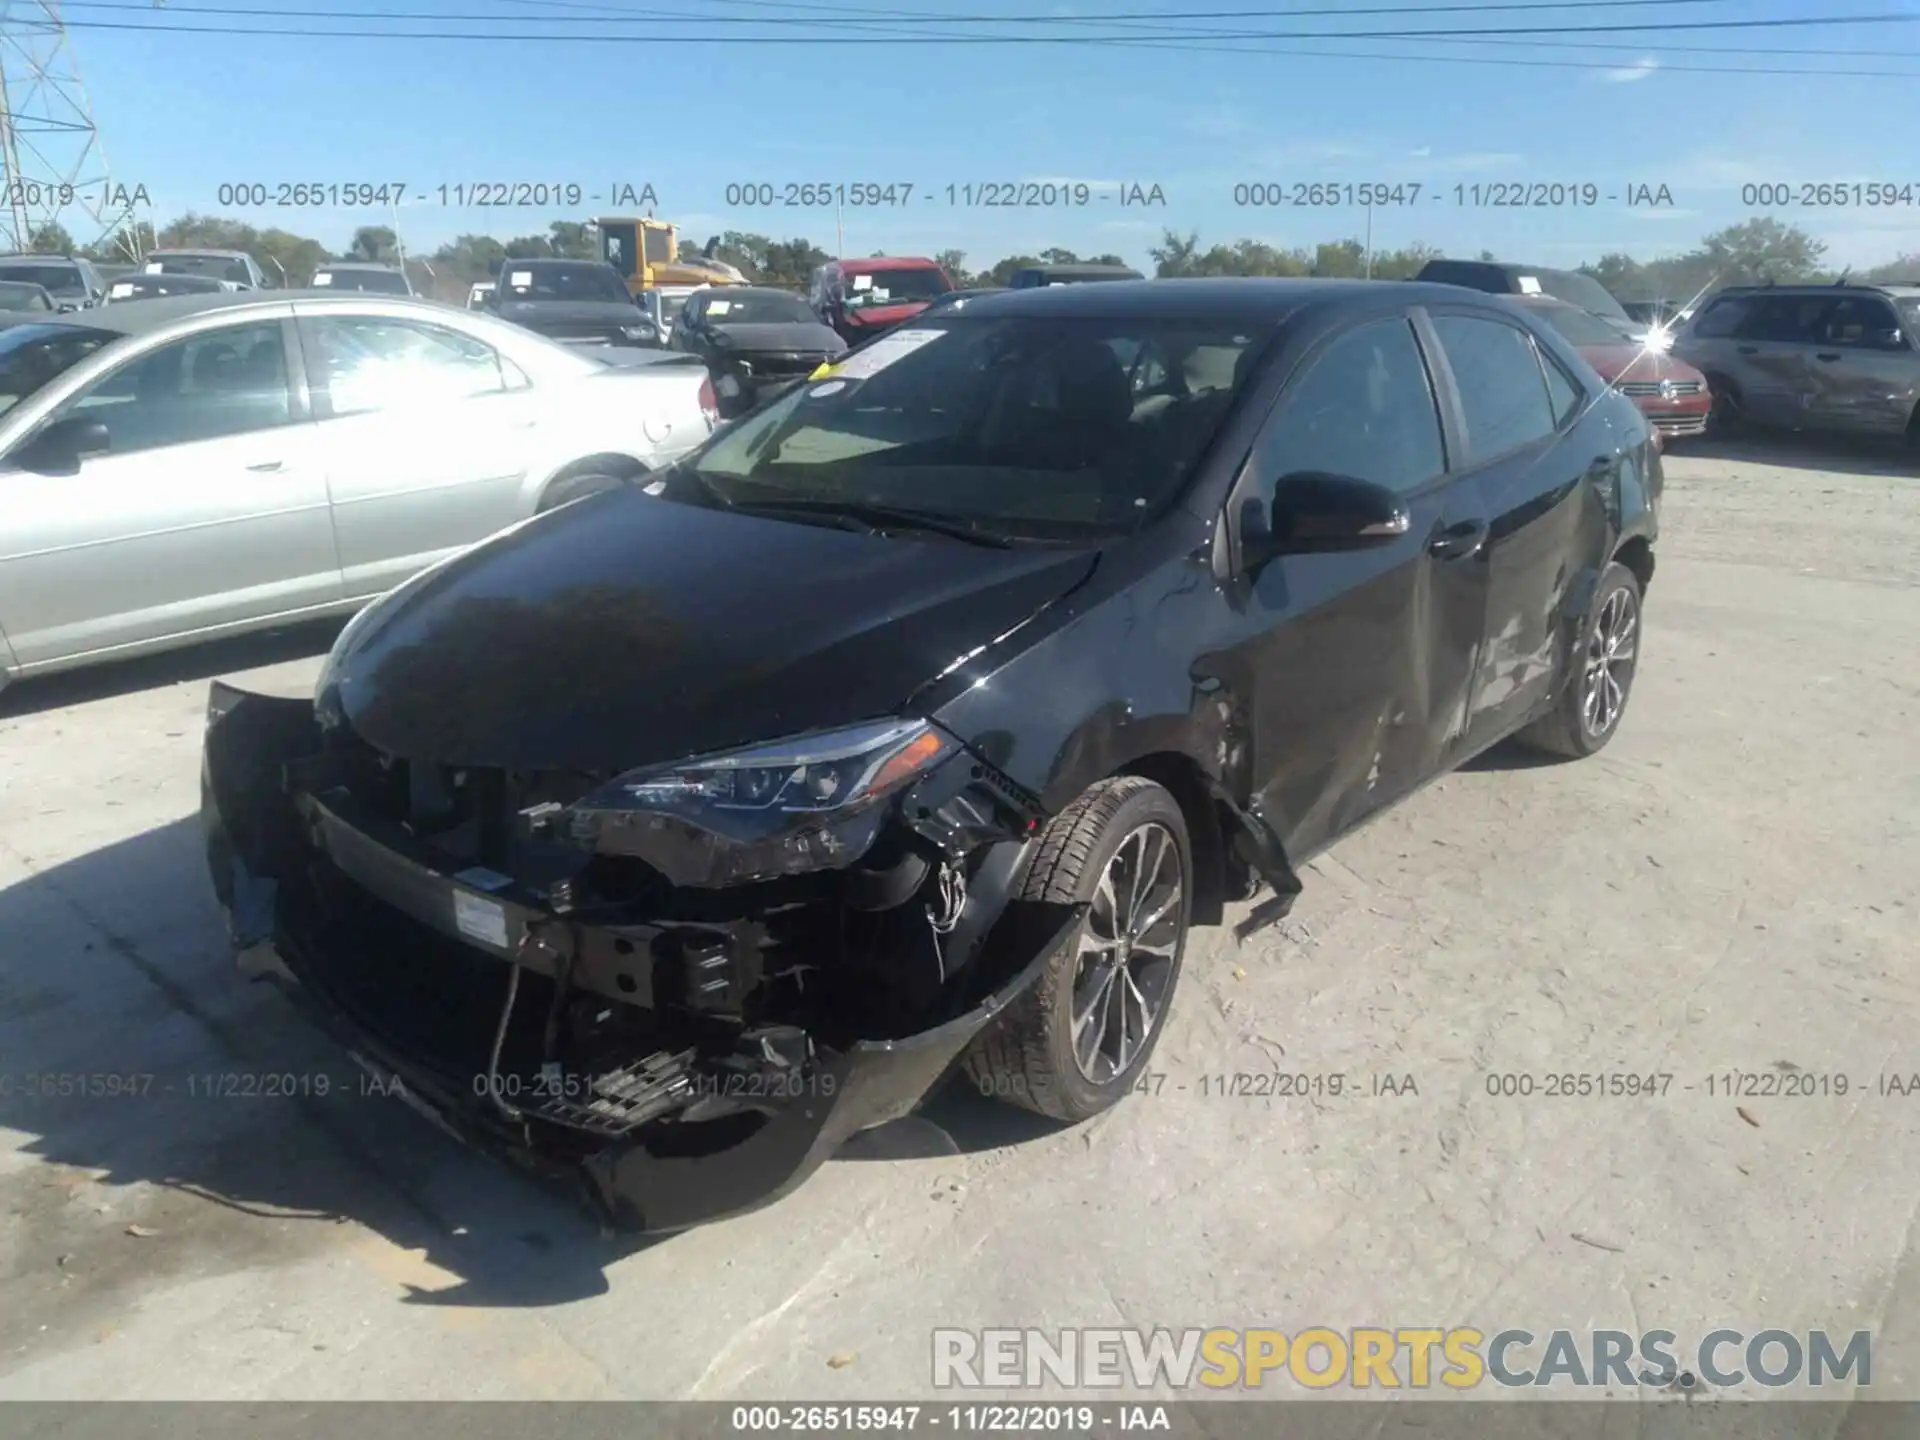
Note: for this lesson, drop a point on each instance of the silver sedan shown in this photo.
(176, 469)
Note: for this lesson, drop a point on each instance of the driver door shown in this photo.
(207, 510)
(1361, 659)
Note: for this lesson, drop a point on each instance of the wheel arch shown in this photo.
(1636, 553)
(1192, 790)
(607, 462)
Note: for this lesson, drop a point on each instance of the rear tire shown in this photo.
(1728, 417)
(1601, 669)
(1122, 847)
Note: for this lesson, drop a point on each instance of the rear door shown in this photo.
(428, 434)
(1536, 453)
(1362, 663)
(209, 510)
(1773, 354)
(1864, 371)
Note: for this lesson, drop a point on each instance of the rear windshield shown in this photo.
(1497, 279)
(33, 356)
(562, 282)
(894, 287)
(219, 267)
(55, 279)
(377, 282)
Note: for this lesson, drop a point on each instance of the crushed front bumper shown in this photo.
(652, 1179)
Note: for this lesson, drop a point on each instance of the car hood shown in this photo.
(1627, 361)
(534, 313)
(782, 335)
(879, 317)
(624, 630)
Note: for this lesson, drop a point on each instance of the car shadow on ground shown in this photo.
(1802, 450)
(190, 665)
(119, 966)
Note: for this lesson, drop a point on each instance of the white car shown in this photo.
(198, 465)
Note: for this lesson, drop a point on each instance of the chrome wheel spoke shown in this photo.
(1127, 953)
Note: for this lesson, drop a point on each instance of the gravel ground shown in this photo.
(1724, 889)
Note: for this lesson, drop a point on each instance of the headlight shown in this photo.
(813, 802)
(1659, 338)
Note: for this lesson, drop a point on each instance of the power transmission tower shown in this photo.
(53, 170)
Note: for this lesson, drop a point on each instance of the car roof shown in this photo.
(164, 310)
(1902, 288)
(357, 265)
(1079, 269)
(1259, 300)
(886, 262)
(27, 258)
(728, 291)
(192, 250)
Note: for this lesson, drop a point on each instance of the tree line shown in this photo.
(1753, 252)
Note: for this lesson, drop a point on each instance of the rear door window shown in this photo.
(1861, 322)
(1787, 319)
(1502, 388)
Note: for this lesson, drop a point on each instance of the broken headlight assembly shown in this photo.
(812, 802)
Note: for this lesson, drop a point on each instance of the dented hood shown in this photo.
(625, 630)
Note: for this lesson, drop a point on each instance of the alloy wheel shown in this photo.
(1128, 948)
(1609, 663)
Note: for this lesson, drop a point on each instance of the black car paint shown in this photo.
(588, 598)
(1284, 704)
(595, 321)
(756, 355)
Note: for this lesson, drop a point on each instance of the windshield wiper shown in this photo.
(878, 518)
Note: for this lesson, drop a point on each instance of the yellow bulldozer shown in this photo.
(647, 252)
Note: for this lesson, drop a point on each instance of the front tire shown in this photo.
(569, 488)
(1074, 1044)
(1588, 712)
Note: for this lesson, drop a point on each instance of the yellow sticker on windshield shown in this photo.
(825, 370)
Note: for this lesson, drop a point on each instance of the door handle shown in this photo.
(1458, 541)
(1827, 355)
(267, 467)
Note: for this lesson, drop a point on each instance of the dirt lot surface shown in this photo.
(1733, 886)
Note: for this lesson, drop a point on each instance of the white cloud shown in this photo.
(1627, 74)
(1422, 153)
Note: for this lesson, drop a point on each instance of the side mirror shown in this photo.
(1317, 513)
(59, 449)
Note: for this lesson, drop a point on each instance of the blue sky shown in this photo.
(182, 114)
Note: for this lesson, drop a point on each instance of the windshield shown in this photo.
(17, 296)
(1051, 429)
(563, 282)
(760, 307)
(141, 287)
(894, 287)
(376, 282)
(1909, 308)
(219, 267)
(1579, 327)
(33, 356)
(55, 279)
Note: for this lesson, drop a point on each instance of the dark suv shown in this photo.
(671, 837)
(73, 282)
(1816, 357)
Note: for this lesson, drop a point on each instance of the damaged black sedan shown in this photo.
(913, 722)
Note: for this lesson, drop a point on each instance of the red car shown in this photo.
(1670, 392)
(860, 298)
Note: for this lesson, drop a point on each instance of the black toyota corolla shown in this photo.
(667, 839)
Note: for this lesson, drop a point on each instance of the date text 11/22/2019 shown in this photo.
(468, 194)
(895, 1419)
